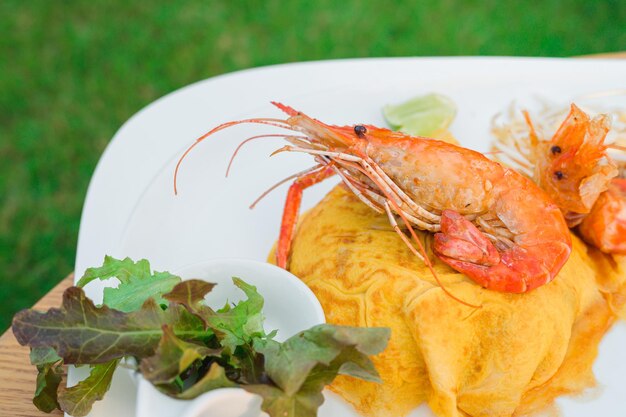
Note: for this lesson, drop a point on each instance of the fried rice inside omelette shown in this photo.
(511, 357)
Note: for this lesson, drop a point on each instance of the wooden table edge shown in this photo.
(609, 55)
(17, 375)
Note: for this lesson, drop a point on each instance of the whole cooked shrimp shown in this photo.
(489, 222)
(574, 168)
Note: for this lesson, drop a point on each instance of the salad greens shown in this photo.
(183, 346)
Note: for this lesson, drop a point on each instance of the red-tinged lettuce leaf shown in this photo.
(191, 294)
(82, 333)
(289, 364)
(172, 358)
(78, 400)
(48, 381)
(137, 283)
(215, 378)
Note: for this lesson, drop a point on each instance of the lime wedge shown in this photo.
(421, 116)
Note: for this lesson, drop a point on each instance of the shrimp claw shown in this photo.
(466, 249)
(460, 239)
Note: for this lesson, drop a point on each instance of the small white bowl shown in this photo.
(226, 402)
(290, 306)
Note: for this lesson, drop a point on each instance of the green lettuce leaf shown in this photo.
(43, 355)
(215, 378)
(172, 357)
(81, 333)
(276, 403)
(304, 364)
(288, 364)
(48, 381)
(78, 400)
(137, 283)
(307, 400)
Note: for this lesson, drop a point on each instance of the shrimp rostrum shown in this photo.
(489, 222)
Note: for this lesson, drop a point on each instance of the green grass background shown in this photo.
(71, 72)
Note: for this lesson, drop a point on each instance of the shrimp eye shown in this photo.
(559, 175)
(555, 149)
(360, 130)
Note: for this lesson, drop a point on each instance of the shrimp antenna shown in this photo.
(232, 158)
(616, 147)
(281, 182)
(266, 121)
(534, 139)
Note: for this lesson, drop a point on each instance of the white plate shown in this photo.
(130, 208)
